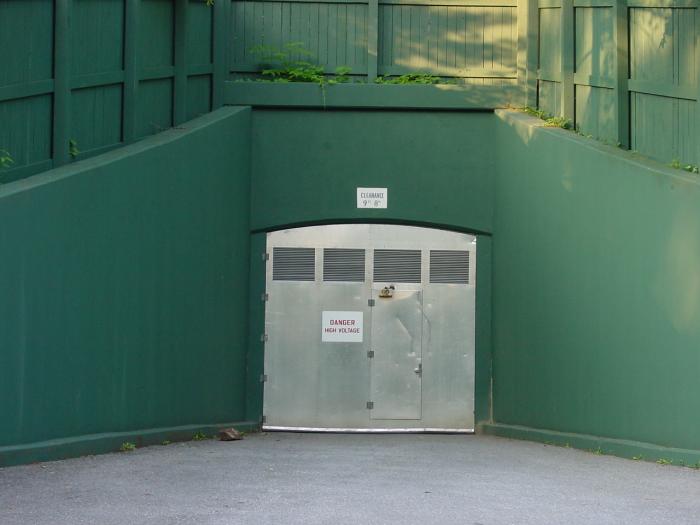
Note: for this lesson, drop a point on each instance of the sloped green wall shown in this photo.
(596, 290)
(125, 291)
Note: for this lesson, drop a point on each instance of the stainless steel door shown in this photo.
(396, 367)
(411, 365)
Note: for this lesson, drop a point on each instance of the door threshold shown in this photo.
(338, 430)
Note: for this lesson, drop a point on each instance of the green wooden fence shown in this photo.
(474, 41)
(623, 71)
(79, 77)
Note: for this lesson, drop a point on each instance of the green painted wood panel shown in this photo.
(154, 111)
(595, 44)
(334, 33)
(199, 91)
(595, 67)
(75, 68)
(96, 119)
(550, 40)
(25, 131)
(664, 128)
(448, 40)
(97, 34)
(663, 59)
(596, 112)
(549, 97)
(549, 61)
(156, 38)
(200, 21)
(26, 28)
(662, 45)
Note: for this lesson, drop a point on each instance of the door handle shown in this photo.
(419, 369)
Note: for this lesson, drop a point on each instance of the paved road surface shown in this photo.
(350, 479)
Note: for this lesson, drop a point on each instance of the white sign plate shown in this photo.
(372, 197)
(341, 327)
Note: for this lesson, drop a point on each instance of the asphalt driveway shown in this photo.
(354, 479)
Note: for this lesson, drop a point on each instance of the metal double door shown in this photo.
(412, 366)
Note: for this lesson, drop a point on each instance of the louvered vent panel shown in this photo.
(346, 265)
(449, 266)
(293, 264)
(397, 266)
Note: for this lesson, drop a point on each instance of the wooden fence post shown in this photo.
(62, 92)
(567, 59)
(130, 69)
(221, 46)
(528, 36)
(180, 79)
(372, 39)
(622, 98)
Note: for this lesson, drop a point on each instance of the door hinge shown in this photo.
(370, 302)
(370, 405)
(370, 353)
(263, 378)
(263, 338)
(265, 256)
(264, 297)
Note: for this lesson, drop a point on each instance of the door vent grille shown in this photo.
(397, 266)
(293, 264)
(343, 264)
(449, 266)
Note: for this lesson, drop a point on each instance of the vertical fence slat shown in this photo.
(527, 13)
(372, 39)
(130, 68)
(62, 93)
(622, 72)
(567, 59)
(220, 47)
(180, 80)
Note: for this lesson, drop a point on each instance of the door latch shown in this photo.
(419, 369)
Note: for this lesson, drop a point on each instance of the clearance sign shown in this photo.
(341, 327)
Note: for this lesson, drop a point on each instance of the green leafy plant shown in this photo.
(199, 436)
(534, 112)
(550, 121)
(291, 63)
(690, 168)
(166, 443)
(410, 78)
(73, 150)
(664, 461)
(127, 447)
(6, 159)
(558, 122)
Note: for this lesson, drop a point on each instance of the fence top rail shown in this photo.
(441, 3)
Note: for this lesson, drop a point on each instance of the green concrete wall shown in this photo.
(596, 290)
(439, 167)
(125, 292)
